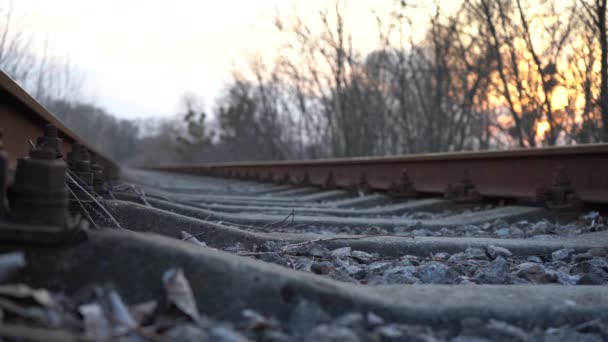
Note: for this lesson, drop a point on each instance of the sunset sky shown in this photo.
(140, 56)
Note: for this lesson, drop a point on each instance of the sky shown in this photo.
(139, 57)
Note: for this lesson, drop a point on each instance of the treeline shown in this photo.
(487, 74)
(491, 74)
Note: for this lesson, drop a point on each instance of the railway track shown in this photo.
(494, 245)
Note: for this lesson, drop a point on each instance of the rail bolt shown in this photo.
(73, 156)
(50, 139)
(463, 191)
(39, 194)
(83, 168)
(404, 188)
(330, 182)
(3, 176)
(99, 178)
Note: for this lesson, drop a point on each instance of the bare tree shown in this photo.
(594, 16)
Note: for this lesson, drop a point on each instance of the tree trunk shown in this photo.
(601, 16)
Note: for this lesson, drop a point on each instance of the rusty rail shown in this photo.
(23, 119)
(567, 173)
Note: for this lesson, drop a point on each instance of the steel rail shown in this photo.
(519, 173)
(22, 118)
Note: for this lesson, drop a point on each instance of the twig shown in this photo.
(88, 216)
(304, 243)
(94, 200)
(227, 224)
(189, 237)
(142, 194)
(291, 214)
(119, 188)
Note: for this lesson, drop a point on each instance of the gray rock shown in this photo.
(373, 319)
(225, 334)
(595, 327)
(541, 227)
(569, 334)
(562, 254)
(535, 273)
(233, 249)
(598, 252)
(567, 279)
(407, 260)
(474, 329)
(341, 252)
(501, 331)
(257, 321)
(390, 332)
(440, 256)
(355, 271)
(303, 264)
(534, 258)
(350, 320)
(436, 273)
(270, 246)
(496, 273)
(515, 231)
(496, 251)
(420, 232)
(332, 333)
(379, 267)
(589, 266)
(305, 317)
(276, 336)
(581, 257)
(461, 256)
(465, 281)
(465, 338)
(400, 275)
(593, 278)
(502, 232)
(312, 249)
(500, 223)
(187, 333)
(361, 255)
(476, 253)
(515, 280)
(275, 258)
(324, 267)
(590, 216)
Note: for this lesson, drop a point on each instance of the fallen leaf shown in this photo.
(192, 239)
(143, 310)
(120, 312)
(96, 325)
(11, 262)
(179, 292)
(22, 291)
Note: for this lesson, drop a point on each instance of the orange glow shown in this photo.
(542, 127)
(559, 98)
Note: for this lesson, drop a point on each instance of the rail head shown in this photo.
(517, 153)
(519, 173)
(23, 118)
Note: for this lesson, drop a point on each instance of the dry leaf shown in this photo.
(11, 262)
(179, 292)
(96, 326)
(22, 291)
(120, 312)
(192, 239)
(141, 311)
